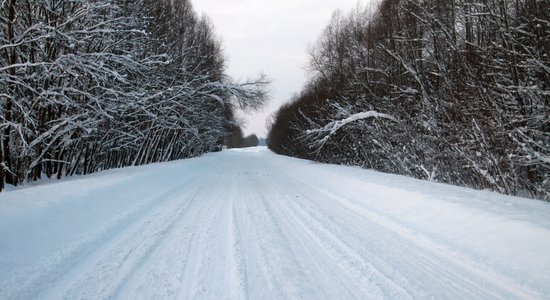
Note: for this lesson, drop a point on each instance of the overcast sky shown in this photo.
(270, 37)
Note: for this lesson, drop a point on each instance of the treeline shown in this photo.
(89, 85)
(238, 140)
(455, 91)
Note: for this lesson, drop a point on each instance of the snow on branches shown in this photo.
(319, 136)
(468, 81)
(90, 85)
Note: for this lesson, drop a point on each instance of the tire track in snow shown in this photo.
(111, 262)
(282, 274)
(170, 266)
(261, 282)
(166, 262)
(57, 268)
(196, 276)
(427, 255)
(280, 263)
(444, 263)
(237, 272)
(242, 226)
(112, 267)
(344, 256)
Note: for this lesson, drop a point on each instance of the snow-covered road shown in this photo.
(248, 224)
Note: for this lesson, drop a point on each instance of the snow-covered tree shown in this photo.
(88, 85)
(467, 80)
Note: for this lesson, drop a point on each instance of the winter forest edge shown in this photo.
(90, 85)
(450, 91)
(445, 90)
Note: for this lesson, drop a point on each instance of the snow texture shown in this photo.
(250, 224)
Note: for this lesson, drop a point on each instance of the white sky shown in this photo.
(270, 37)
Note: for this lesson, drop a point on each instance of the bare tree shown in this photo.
(467, 80)
(90, 85)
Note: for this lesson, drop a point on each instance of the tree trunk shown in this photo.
(9, 178)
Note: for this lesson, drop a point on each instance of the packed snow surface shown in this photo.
(249, 224)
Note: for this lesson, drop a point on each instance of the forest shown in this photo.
(89, 85)
(453, 91)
